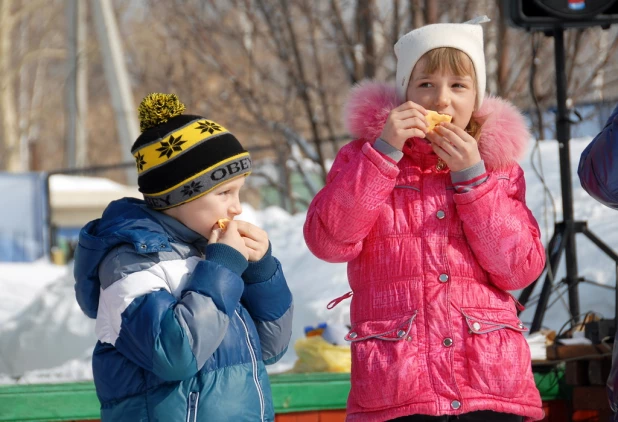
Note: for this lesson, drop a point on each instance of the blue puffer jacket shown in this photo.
(185, 329)
(598, 174)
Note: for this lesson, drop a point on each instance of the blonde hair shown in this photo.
(458, 63)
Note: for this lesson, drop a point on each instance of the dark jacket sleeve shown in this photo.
(598, 174)
(268, 300)
(598, 169)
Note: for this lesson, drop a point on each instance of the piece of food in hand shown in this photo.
(433, 118)
(222, 223)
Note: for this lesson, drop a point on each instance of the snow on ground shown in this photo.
(20, 282)
(47, 332)
(44, 337)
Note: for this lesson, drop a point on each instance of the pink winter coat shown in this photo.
(434, 330)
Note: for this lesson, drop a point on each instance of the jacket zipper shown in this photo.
(194, 397)
(255, 367)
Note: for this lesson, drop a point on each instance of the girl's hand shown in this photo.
(256, 240)
(404, 122)
(231, 237)
(455, 146)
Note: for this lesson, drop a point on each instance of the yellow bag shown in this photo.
(317, 355)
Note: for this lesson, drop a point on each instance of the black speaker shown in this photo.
(597, 331)
(544, 15)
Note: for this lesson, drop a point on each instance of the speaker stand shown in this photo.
(563, 239)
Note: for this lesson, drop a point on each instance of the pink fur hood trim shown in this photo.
(504, 132)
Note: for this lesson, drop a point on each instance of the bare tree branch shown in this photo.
(364, 31)
(344, 48)
(302, 84)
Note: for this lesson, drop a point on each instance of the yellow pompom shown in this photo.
(158, 108)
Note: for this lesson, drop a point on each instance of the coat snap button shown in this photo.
(401, 333)
(143, 246)
(476, 326)
(353, 335)
(447, 342)
(440, 214)
(455, 404)
(520, 325)
(443, 278)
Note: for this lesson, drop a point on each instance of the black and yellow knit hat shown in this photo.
(182, 157)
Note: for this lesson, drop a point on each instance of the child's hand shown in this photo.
(256, 240)
(455, 146)
(231, 237)
(404, 122)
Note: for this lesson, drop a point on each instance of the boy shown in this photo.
(187, 314)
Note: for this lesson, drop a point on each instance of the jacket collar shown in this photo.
(175, 228)
(504, 133)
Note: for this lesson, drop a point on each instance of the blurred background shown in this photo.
(277, 74)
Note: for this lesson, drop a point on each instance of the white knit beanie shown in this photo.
(467, 37)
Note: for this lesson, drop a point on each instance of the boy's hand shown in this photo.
(230, 237)
(256, 240)
(455, 146)
(404, 122)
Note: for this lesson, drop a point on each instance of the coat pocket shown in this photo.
(498, 356)
(384, 362)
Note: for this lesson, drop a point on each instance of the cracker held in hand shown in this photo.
(222, 223)
(434, 118)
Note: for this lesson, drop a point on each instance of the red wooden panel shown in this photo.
(586, 416)
(308, 417)
(332, 416)
(285, 417)
(555, 411)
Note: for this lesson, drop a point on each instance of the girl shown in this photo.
(435, 230)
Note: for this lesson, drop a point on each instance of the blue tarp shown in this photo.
(23, 233)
